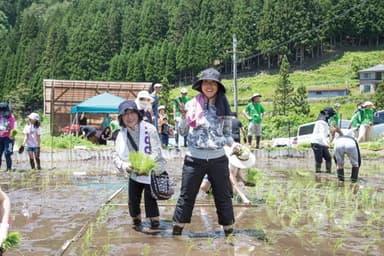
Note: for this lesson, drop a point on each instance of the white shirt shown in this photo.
(32, 135)
(320, 133)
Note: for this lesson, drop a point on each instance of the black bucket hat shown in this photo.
(209, 74)
(329, 111)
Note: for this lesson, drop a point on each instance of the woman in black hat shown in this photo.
(320, 140)
(138, 135)
(207, 123)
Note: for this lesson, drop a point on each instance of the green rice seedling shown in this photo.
(210, 242)
(254, 175)
(141, 163)
(88, 236)
(337, 246)
(147, 250)
(13, 239)
(189, 248)
(373, 145)
(106, 249)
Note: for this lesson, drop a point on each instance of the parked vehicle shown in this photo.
(378, 124)
(304, 135)
(305, 131)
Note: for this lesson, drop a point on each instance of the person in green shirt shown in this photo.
(356, 120)
(179, 107)
(365, 130)
(254, 112)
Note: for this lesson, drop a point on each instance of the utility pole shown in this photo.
(234, 73)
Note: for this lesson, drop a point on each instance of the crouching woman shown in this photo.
(137, 135)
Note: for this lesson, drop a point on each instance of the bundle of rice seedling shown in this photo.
(13, 239)
(141, 163)
(13, 133)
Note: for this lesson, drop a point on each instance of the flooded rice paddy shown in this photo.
(77, 205)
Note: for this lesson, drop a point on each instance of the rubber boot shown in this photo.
(340, 174)
(177, 230)
(250, 140)
(177, 139)
(258, 138)
(328, 167)
(354, 174)
(38, 163)
(32, 162)
(318, 168)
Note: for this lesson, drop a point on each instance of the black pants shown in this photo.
(135, 190)
(320, 152)
(194, 170)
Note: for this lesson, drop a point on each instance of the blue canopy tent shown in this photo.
(102, 103)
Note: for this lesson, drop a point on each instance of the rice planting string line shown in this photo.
(196, 204)
(84, 228)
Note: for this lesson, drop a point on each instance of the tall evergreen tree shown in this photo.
(282, 103)
(300, 103)
(379, 96)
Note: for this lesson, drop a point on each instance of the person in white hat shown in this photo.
(178, 108)
(32, 134)
(240, 158)
(144, 104)
(254, 112)
(365, 129)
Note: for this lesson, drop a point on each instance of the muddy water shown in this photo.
(61, 210)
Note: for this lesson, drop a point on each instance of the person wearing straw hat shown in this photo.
(32, 134)
(365, 129)
(207, 122)
(240, 158)
(254, 112)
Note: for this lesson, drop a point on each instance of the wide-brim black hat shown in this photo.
(209, 74)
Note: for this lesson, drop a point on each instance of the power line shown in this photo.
(298, 36)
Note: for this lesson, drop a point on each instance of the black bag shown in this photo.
(160, 186)
(21, 149)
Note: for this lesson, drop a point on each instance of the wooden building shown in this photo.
(61, 95)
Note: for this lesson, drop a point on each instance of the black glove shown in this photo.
(21, 149)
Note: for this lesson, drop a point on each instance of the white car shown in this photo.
(305, 131)
(378, 124)
(304, 135)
